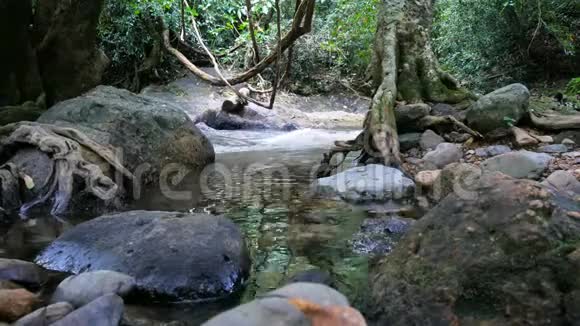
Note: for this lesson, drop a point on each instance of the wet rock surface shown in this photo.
(366, 184)
(470, 261)
(378, 236)
(172, 256)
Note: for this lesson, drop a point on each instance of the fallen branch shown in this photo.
(556, 121)
(216, 65)
(301, 25)
(432, 121)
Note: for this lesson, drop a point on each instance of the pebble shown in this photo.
(568, 141)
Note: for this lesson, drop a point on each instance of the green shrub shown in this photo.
(573, 87)
(490, 42)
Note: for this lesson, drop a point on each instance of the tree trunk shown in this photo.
(69, 60)
(19, 77)
(405, 69)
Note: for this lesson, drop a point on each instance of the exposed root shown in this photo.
(556, 121)
(448, 120)
(64, 146)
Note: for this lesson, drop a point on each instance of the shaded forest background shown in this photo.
(485, 43)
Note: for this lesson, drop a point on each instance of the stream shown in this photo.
(261, 180)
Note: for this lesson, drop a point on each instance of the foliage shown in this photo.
(340, 43)
(486, 41)
(573, 87)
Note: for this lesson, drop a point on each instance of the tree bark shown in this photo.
(405, 69)
(69, 60)
(19, 76)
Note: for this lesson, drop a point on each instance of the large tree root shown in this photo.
(64, 146)
(556, 121)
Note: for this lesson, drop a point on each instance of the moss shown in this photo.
(26, 112)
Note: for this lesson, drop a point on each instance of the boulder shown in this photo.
(104, 311)
(457, 178)
(16, 303)
(553, 149)
(522, 137)
(378, 236)
(21, 272)
(274, 308)
(408, 116)
(255, 118)
(426, 179)
(444, 154)
(563, 181)
(503, 258)
(521, 164)
(172, 256)
(146, 130)
(86, 287)
(492, 151)
(409, 141)
(366, 184)
(148, 136)
(46, 315)
(430, 140)
(494, 109)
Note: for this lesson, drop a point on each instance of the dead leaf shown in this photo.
(329, 315)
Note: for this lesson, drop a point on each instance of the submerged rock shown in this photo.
(378, 236)
(469, 261)
(367, 183)
(84, 288)
(172, 256)
(491, 111)
(521, 164)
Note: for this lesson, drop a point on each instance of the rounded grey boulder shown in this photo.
(84, 288)
(367, 183)
(496, 109)
(172, 256)
(146, 130)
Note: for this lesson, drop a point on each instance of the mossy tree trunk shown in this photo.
(404, 69)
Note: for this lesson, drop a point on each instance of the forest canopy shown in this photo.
(483, 42)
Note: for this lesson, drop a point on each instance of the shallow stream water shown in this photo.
(261, 180)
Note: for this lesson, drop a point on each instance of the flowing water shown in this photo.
(261, 180)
